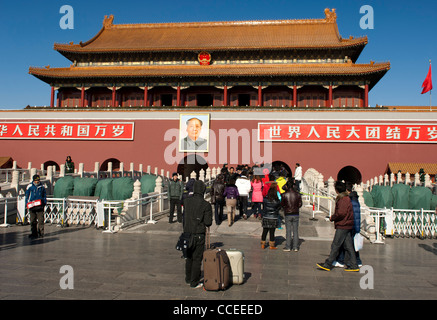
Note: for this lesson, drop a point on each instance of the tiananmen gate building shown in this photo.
(281, 91)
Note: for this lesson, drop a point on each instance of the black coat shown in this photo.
(217, 190)
(198, 211)
(271, 208)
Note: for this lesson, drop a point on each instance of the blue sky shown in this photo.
(404, 33)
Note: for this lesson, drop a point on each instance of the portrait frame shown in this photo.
(186, 144)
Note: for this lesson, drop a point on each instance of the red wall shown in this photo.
(148, 148)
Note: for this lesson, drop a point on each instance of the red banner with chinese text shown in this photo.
(341, 132)
(67, 131)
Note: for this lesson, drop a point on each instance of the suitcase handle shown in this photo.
(208, 240)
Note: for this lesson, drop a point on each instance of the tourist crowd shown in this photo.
(272, 195)
(258, 192)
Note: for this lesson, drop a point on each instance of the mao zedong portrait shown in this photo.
(193, 141)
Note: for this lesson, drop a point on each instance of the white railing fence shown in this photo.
(87, 211)
(411, 223)
(69, 212)
(319, 199)
(109, 215)
(376, 223)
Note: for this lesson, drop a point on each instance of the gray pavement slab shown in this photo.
(141, 263)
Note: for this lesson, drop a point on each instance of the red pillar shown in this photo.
(260, 96)
(87, 99)
(366, 96)
(58, 100)
(295, 96)
(330, 96)
(225, 96)
(146, 96)
(178, 97)
(82, 98)
(113, 97)
(52, 98)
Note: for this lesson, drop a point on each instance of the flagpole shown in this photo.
(430, 97)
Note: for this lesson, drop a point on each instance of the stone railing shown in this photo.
(390, 180)
(137, 208)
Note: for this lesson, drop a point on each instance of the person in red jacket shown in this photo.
(343, 218)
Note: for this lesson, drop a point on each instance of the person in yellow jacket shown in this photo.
(281, 181)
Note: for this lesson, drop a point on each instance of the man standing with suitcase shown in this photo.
(198, 216)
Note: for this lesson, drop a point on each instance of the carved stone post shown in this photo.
(15, 180)
(158, 189)
(110, 169)
(193, 175)
(360, 192)
(427, 181)
(416, 179)
(81, 170)
(208, 174)
(331, 187)
(399, 177)
(407, 178)
(136, 195)
(62, 170)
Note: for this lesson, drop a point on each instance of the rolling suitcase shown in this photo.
(236, 259)
(216, 268)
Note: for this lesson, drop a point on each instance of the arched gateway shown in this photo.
(191, 163)
(350, 174)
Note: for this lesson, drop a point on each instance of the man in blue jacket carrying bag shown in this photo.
(36, 199)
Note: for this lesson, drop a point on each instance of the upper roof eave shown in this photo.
(82, 50)
(309, 34)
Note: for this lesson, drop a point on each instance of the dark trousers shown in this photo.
(37, 223)
(175, 202)
(297, 184)
(242, 203)
(343, 238)
(256, 208)
(193, 263)
(341, 255)
(268, 230)
(218, 210)
(292, 224)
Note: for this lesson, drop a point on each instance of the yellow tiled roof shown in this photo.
(412, 168)
(228, 35)
(5, 162)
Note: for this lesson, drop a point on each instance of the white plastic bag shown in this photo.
(358, 242)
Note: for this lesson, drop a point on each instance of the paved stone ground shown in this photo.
(142, 263)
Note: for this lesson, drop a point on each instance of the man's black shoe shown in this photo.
(324, 266)
(351, 269)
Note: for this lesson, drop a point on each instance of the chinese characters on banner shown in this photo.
(66, 131)
(341, 132)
